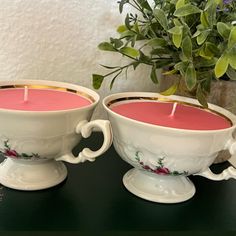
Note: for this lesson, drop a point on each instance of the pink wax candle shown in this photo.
(40, 100)
(160, 113)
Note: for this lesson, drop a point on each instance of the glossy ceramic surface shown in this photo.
(37, 140)
(163, 157)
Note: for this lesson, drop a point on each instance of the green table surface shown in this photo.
(93, 199)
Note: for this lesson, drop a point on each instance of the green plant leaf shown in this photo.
(211, 47)
(206, 77)
(198, 32)
(205, 55)
(157, 42)
(136, 28)
(136, 64)
(218, 1)
(121, 5)
(177, 22)
(221, 66)
(231, 73)
(176, 30)
(190, 77)
(163, 62)
(110, 67)
(143, 58)
(201, 97)
(211, 8)
(187, 47)
(170, 72)
(203, 62)
(223, 29)
(232, 57)
(105, 46)
(208, 51)
(127, 33)
(114, 78)
(132, 52)
(177, 40)
(116, 42)
(179, 3)
(232, 38)
(204, 19)
(187, 9)
(144, 4)
(121, 29)
(170, 91)
(160, 16)
(181, 67)
(97, 80)
(153, 75)
(127, 22)
(201, 38)
(159, 51)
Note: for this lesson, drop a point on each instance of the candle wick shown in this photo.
(173, 109)
(26, 93)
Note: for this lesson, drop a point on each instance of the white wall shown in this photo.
(57, 40)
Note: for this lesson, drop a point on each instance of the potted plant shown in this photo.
(193, 39)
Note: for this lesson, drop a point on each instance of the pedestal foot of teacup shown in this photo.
(158, 188)
(31, 174)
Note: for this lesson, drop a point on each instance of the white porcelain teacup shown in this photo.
(163, 157)
(36, 142)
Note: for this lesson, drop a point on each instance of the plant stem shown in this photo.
(119, 69)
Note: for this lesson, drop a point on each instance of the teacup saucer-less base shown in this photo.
(158, 188)
(31, 174)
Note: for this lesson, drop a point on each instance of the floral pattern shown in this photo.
(7, 151)
(159, 169)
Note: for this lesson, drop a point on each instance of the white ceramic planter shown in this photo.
(163, 157)
(36, 143)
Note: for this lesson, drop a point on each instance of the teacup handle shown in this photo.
(229, 172)
(85, 128)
